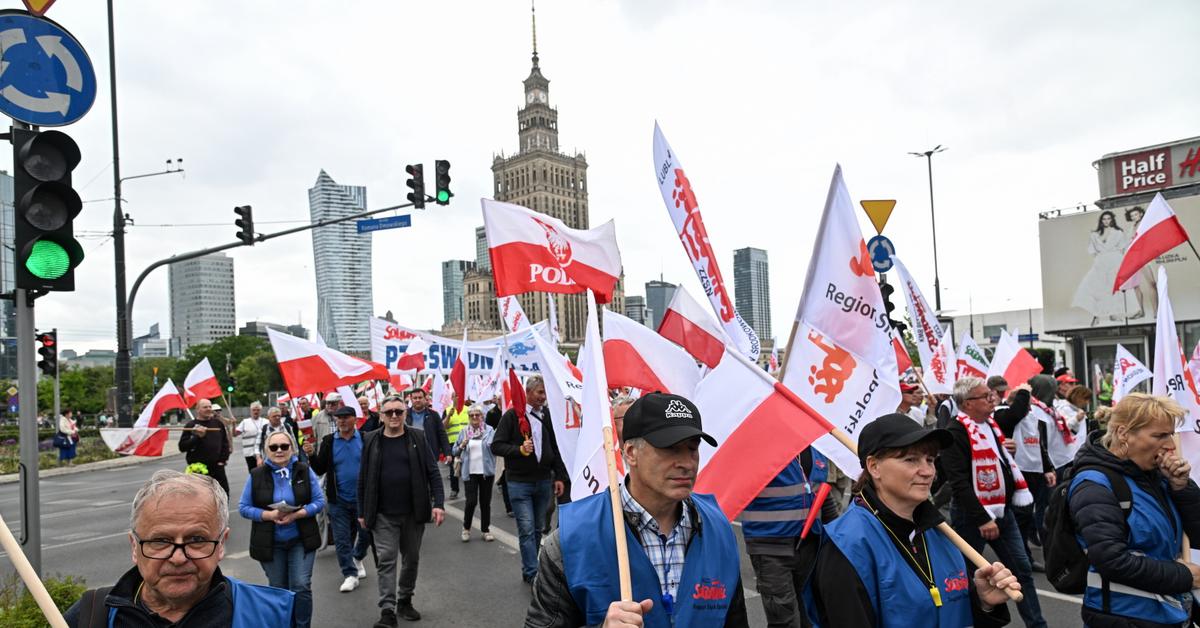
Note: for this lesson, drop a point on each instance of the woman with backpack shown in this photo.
(882, 563)
(1135, 575)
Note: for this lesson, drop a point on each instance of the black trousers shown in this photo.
(781, 581)
(251, 462)
(479, 491)
(216, 471)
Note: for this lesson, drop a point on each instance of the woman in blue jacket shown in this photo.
(881, 564)
(1135, 554)
(473, 449)
(284, 539)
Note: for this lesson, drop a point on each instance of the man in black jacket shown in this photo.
(399, 491)
(423, 417)
(339, 459)
(533, 469)
(208, 442)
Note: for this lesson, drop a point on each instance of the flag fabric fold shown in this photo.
(1171, 375)
(1128, 372)
(145, 438)
(1158, 231)
(971, 360)
(458, 375)
(308, 367)
(1016, 364)
(636, 356)
(688, 325)
(940, 370)
(511, 314)
(926, 330)
(589, 468)
(413, 358)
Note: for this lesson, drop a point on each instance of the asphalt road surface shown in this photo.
(85, 519)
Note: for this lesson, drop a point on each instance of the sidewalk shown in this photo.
(170, 449)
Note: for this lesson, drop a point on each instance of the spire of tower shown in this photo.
(533, 21)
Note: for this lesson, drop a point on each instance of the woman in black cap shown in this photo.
(884, 550)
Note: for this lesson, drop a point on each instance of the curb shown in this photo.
(114, 463)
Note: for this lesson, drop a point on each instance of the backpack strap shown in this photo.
(1124, 494)
(92, 611)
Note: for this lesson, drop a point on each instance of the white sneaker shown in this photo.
(487, 536)
(349, 584)
(362, 569)
(466, 536)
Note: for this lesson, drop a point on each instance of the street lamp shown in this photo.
(937, 285)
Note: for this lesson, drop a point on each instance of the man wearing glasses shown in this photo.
(178, 530)
(399, 491)
(339, 461)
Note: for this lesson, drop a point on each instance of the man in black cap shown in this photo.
(667, 528)
(339, 459)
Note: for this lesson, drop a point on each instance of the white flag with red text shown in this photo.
(535, 252)
(511, 314)
(926, 330)
(940, 371)
(1171, 375)
(843, 361)
(636, 356)
(589, 467)
(685, 214)
(1128, 372)
(971, 360)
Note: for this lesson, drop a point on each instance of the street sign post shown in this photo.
(379, 224)
(46, 77)
(881, 251)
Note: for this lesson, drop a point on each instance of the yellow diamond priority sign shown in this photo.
(879, 212)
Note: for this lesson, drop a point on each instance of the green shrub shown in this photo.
(18, 608)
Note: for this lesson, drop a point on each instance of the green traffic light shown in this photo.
(443, 196)
(229, 388)
(48, 260)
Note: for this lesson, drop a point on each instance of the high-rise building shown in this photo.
(541, 177)
(752, 289)
(342, 260)
(453, 271)
(635, 309)
(152, 345)
(202, 304)
(258, 329)
(658, 296)
(483, 259)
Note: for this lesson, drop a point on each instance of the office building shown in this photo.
(342, 261)
(658, 296)
(635, 309)
(202, 302)
(153, 345)
(752, 289)
(453, 273)
(258, 329)
(483, 260)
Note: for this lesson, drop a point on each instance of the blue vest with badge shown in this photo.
(782, 507)
(1152, 533)
(899, 597)
(711, 567)
(254, 606)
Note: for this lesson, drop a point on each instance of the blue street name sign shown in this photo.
(46, 77)
(881, 251)
(379, 224)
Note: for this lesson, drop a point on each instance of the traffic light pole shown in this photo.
(31, 513)
(57, 407)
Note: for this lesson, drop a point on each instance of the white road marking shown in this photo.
(504, 537)
(1055, 595)
(237, 555)
(88, 540)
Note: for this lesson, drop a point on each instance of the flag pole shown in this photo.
(29, 576)
(974, 556)
(618, 518)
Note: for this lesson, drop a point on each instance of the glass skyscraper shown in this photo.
(752, 290)
(342, 261)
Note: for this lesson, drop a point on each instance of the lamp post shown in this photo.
(937, 284)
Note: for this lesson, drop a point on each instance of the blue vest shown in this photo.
(1153, 533)
(254, 606)
(781, 509)
(899, 597)
(706, 587)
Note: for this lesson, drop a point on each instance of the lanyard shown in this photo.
(668, 549)
(925, 578)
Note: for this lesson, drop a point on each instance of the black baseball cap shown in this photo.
(344, 411)
(663, 420)
(893, 431)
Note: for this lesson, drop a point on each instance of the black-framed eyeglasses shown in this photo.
(280, 447)
(978, 397)
(393, 413)
(161, 549)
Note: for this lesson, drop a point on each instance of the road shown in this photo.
(85, 518)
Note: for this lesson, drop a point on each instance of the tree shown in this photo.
(230, 350)
(256, 375)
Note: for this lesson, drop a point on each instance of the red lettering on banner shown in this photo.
(1188, 167)
(931, 338)
(695, 242)
(549, 274)
(392, 332)
(836, 368)
(957, 583)
(709, 589)
(1031, 440)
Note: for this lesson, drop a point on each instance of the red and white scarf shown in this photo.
(1057, 418)
(985, 468)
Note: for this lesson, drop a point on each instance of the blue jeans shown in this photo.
(343, 518)
(291, 568)
(1010, 550)
(529, 502)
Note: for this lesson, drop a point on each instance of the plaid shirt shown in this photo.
(666, 553)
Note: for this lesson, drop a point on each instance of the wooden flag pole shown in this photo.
(787, 351)
(618, 519)
(29, 576)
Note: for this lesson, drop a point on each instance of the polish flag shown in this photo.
(535, 252)
(1016, 364)
(440, 396)
(1128, 372)
(843, 361)
(1158, 231)
(971, 360)
(764, 421)
(636, 356)
(940, 370)
(926, 330)
(903, 361)
(773, 362)
(688, 325)
(201, 383)
(413, 358)
(399, 382)
(145, 438)
(350, 400)
(511, 314)
(684, 209)
(458, 375)
(589, 467)
(307, 367)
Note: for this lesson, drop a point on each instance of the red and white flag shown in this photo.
(942, 366)
(1159, 231)
(589, 466)
(511, 314)
(458, 375)
(413, 358)
(971, 360)
(440, 396)
(773, 362)
(636, 356)
(200, 383)
(535, 252)
(688, 325)
(146, 438)
(564, 394)
(308, 367)
(685, 214)
(763, 422)
(1016, 364)
(843, 362)
(1128, 372)
(926, 330)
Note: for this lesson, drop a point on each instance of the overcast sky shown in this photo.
(759, 99)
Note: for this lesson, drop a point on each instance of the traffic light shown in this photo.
(886, 289)
(416, 181)
(441, 177)
(45, 206)
(49, 352)
(245, 222)
(232, 385)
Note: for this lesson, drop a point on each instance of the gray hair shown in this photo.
(170, 482)
(273, 411)
(256, 404)
(637, 443)
(477, 407)
(291, 439)
(964, 386)
(533, 382)
(622, 400)
(393, 398)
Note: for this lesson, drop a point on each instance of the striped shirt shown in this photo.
(666, 553)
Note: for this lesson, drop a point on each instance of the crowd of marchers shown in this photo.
(1042, 474)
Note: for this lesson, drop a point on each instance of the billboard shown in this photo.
(1080, 258)
(1147, 169)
